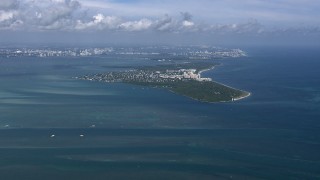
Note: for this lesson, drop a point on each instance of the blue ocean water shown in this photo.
(145, 133)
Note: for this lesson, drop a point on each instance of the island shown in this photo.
(181, 78)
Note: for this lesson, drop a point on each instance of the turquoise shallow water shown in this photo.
(145, 133)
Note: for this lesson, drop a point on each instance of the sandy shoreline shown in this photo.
(205, 70)
(242, 97)
(234, 99)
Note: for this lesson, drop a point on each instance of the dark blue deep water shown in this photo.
(132, 132)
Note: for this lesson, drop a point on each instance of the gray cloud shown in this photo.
(69, 16)
(143, 24)
(164, 24)
(98, 22)
(49, 15)
(8, 4)
(252, 27)
(8, 14)
(186, 16)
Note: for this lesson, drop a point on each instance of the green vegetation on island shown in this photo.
(183, 79)
(205, 91)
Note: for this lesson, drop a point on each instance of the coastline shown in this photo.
(204, 70)
(194, 87)
(247, 94)
(242, 97)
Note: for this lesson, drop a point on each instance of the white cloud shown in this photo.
(143, 24)
(160, 16)
(4, 16)
(98, 18)
(187, 23)
(99, 22)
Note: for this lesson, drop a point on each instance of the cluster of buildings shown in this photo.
(148, 76)
(43, 52)
(151, 52)
(183, 74)
(219, 53)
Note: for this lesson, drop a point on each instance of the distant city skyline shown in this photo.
(160, 21)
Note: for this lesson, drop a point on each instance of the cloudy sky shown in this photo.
(160, 21)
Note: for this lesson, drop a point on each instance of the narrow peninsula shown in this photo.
(183, 79)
